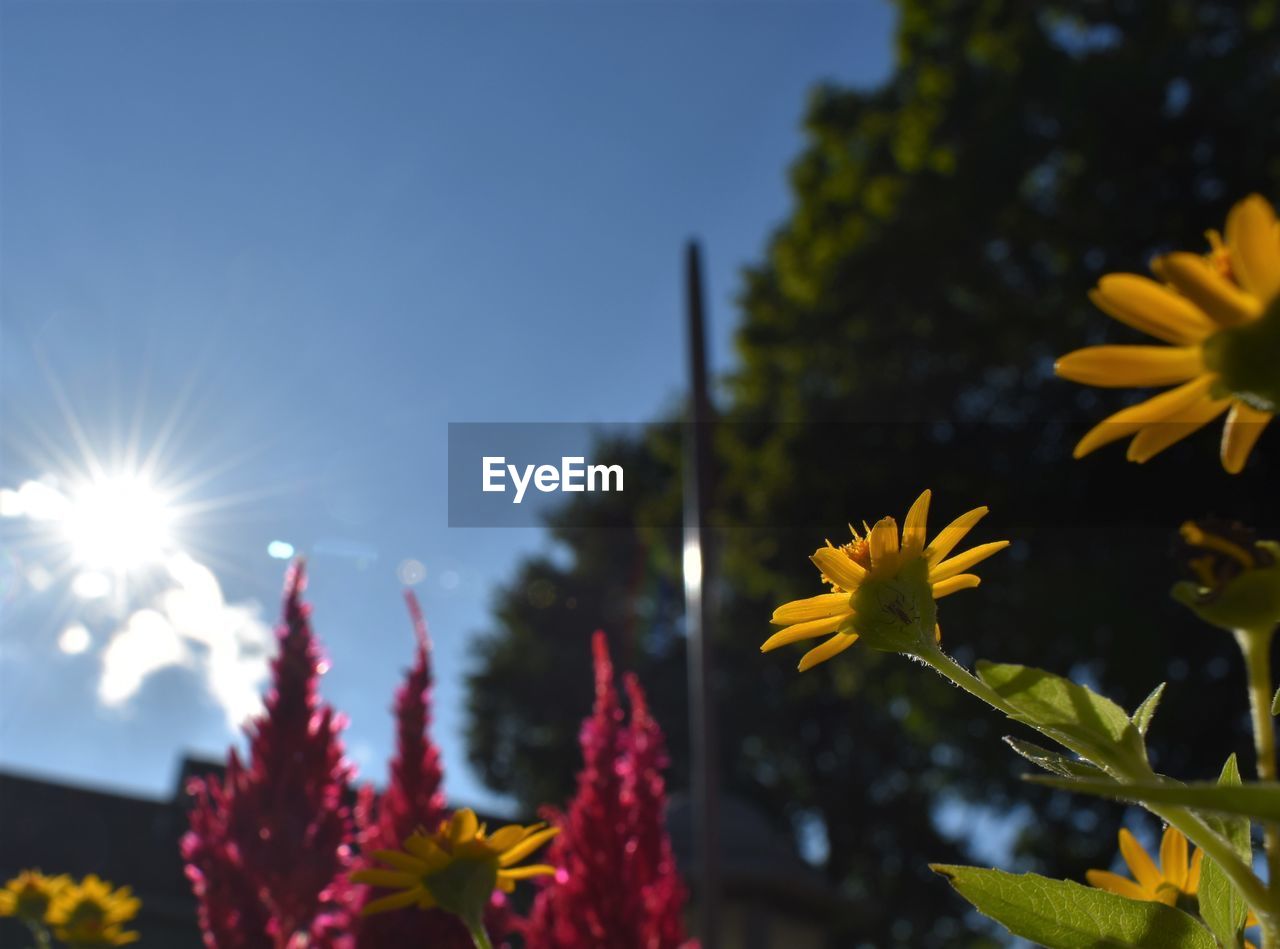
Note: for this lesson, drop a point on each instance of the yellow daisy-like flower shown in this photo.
(29, 895)
(456, 863)
(1176, 876)
(1220, 315)
(91, 914)
(882, 587)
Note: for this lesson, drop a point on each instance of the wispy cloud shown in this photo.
(178, 616)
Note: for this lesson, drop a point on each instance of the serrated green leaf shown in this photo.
(1221, 905)
(1143, 714)
(1275, 703)
(1053, 762)
(1257, 800)
(1067, 712)
(1065, 915)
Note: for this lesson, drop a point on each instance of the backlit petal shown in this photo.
(1192, 276)
(962, 562)
(801, 631)
(530, 870)
(815, 607)
(1114, 883)
(913, 529)
(504, 838)
(1158, 436)
(394, 901)
(1151, 308)
(1173, 857)
(1140, 863)
(965, 581)
(953, 533)
(1131, 365)
(527, 846)
(1254, 243)
(832, 647)
(884, 545)
(837, 566)
(1127, 421)
(395, 878)
(1243, 429)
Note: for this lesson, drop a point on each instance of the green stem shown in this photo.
(948, 668)
(1258, 896)
(1255, 644)
(479, 936)
(39, 934)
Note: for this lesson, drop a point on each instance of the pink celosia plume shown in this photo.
(268, 850)
(413, 798)
(617, 884)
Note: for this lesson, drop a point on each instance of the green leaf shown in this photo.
(1221, 905)
(1275, 703)
(1257, 800)
(1065, 915)
(1147, 710)
(1053, 762)
(1067, 712)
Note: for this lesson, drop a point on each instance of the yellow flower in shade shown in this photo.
(883, 586)
(92, 914)
(457, 867)
(1220, 315)
(29, 895)
(1237, 577)
(1176, 876)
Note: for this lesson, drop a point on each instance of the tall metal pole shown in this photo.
(697, 601)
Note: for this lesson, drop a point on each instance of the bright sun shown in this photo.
(117, 523)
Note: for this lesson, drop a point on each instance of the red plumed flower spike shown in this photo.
(268, 851)
(617, 884)
(413, 798)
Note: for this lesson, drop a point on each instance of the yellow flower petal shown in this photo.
(394, 878)
(1243, 429)
(832, 647)
(965, 581)
(913, 529)
(953, 533)
(962, 562)
(1124, 366)
(884, 545)
(401, 861)
(1140, 863)
(1193, 873)
(463, 826)
(800, 631)
(394, 901)
(837, 567)
(1114, 883)
(1158, 436)
(1173, 857)
(1192, 276)
(507, 837)
(815, 607)
(530, 870)
(1127, 421)
(1151, 308)
(527, 846)
(1254, 242)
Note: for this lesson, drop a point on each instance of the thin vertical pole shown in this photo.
(697, 563)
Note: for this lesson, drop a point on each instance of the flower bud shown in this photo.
(1237, 578)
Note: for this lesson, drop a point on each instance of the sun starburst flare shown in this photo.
(1220, 315)
(882, 585)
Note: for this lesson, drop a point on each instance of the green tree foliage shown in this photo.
(899, 333)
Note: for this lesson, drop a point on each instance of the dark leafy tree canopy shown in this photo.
(898, 333)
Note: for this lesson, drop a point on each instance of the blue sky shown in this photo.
(278, 247)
